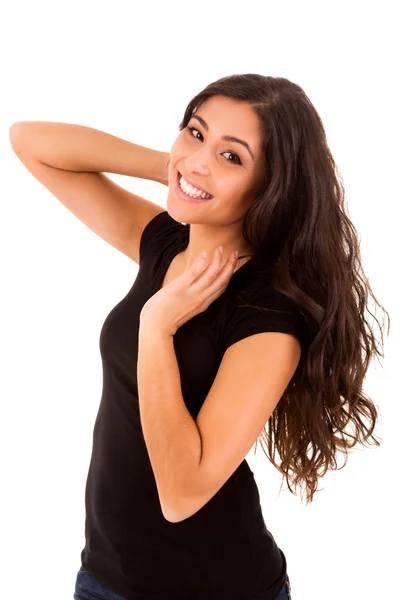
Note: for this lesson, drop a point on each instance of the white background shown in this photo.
(130, 69)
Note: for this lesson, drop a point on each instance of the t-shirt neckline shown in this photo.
(182, 245)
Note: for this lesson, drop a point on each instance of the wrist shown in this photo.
(151, 332)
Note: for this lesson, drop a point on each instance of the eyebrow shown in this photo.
(227, 138)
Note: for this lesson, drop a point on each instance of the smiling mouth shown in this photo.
(198, 197)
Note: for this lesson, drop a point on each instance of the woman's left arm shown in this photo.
(172, 437)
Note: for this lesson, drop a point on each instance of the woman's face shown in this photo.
(226, 169)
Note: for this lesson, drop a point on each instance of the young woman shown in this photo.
(204, 351)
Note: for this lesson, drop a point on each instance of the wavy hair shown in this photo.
(299, 222)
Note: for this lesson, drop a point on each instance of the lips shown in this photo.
(193, 184)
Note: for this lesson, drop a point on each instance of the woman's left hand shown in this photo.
(187, 295)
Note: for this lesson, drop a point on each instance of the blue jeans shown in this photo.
(285, 593)
(88, 588)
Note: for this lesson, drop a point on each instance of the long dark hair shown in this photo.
(299, 221)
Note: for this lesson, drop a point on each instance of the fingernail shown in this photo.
(221, 249)
(236, 253)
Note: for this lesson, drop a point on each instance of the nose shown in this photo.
(197, 162)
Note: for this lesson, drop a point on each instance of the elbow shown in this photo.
(179, 509)
(171, 507)
(178, 505)
(186, 508)
(171, 512)
(15, 136)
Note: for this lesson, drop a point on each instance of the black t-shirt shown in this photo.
(224, 550)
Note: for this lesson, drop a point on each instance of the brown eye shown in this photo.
(191, 129)
(237, 160)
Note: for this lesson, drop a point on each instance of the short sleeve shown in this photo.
(155, 234)
(265, 310)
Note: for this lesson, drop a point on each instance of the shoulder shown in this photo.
(257, 307)
(159, 231)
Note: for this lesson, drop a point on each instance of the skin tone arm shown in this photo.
(84, 149)
(171, 435)
(191, 459)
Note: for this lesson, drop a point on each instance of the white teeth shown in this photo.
(192, 191)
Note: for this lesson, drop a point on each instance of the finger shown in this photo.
(197, 268)
(220, 279)
(214, 268)
(202, 274)
(220, 284)
(224, 275)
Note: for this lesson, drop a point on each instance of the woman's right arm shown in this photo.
(79, 148)
(69, 161)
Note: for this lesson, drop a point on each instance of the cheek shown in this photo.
(233, 185)
(177, 151)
